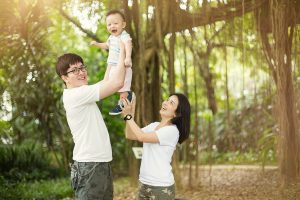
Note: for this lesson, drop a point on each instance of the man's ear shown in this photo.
(64, 78)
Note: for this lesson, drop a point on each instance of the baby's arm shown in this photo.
(128, 50)
(102, 45)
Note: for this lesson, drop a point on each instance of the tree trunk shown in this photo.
(196, 124)
(171, 71)
(282, 16)
(282, 10)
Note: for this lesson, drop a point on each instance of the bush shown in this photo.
(46, 189)
(25, 162)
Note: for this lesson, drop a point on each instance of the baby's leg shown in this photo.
(127, 82)
(123, 95)
(124, 91)
(107, 72)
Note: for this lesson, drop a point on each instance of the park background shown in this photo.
(236, 60)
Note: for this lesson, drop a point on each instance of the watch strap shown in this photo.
(127, 117)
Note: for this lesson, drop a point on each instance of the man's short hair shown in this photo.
(112, 12)
(63, 63)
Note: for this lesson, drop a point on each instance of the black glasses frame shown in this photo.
(76, 70)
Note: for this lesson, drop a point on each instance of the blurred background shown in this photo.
(236, 60)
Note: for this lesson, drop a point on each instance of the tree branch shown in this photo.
(78, 25)
(208, 15)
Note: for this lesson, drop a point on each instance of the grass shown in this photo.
(49, 189)
(44, 189)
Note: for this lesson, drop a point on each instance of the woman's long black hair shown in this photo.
(183, 117)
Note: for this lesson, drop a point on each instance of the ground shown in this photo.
(229, 182)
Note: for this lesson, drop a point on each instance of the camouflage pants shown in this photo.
(148, 192)
(92, 180)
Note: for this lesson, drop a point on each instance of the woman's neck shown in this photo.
(165, 122)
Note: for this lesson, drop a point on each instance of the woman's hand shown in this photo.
(128, 107)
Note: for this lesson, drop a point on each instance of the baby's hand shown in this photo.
(128, 62)
(93, 42)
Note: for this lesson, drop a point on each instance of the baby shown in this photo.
(115, 23)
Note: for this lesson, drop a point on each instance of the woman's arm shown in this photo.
(136, 133)
(132, 130)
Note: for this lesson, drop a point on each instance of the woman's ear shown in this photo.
(177, 115)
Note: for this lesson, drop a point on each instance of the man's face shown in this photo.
(115, 24)
(76, 76)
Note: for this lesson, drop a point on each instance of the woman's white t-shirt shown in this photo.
(156, 169)
(90, 135)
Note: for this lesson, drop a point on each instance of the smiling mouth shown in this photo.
(114, 31)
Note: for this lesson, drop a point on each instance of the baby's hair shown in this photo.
(112, 12)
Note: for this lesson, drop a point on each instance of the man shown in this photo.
(91, 176)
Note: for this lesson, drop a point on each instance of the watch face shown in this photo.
(128, 117)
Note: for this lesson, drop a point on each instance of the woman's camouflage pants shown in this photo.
(148, 192)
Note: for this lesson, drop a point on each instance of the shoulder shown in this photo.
(170, 128)
(125, 35)
(150, 127)
(168, 135)
(87, 92)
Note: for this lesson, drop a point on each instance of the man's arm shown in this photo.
(116, 81)
(106, 75)
(102, 45)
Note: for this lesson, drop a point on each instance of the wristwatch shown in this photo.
(127, 117)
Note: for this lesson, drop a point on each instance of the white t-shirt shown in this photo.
(156, 169)
(90, 135)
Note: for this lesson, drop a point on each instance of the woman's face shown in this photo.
(169, 107)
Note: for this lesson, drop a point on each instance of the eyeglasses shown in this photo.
(76, 70)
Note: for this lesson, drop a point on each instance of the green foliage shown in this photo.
(5, 131)
(46, 190)
(245, 128)
(235, 158)
(25, 162)
(267, 144)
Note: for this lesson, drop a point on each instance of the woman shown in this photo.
(159, 142)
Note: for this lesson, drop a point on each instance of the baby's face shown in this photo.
(115, 24)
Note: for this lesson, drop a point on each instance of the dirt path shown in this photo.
(230, 183)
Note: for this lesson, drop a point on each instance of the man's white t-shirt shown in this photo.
(90, 135)
(156, 169)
